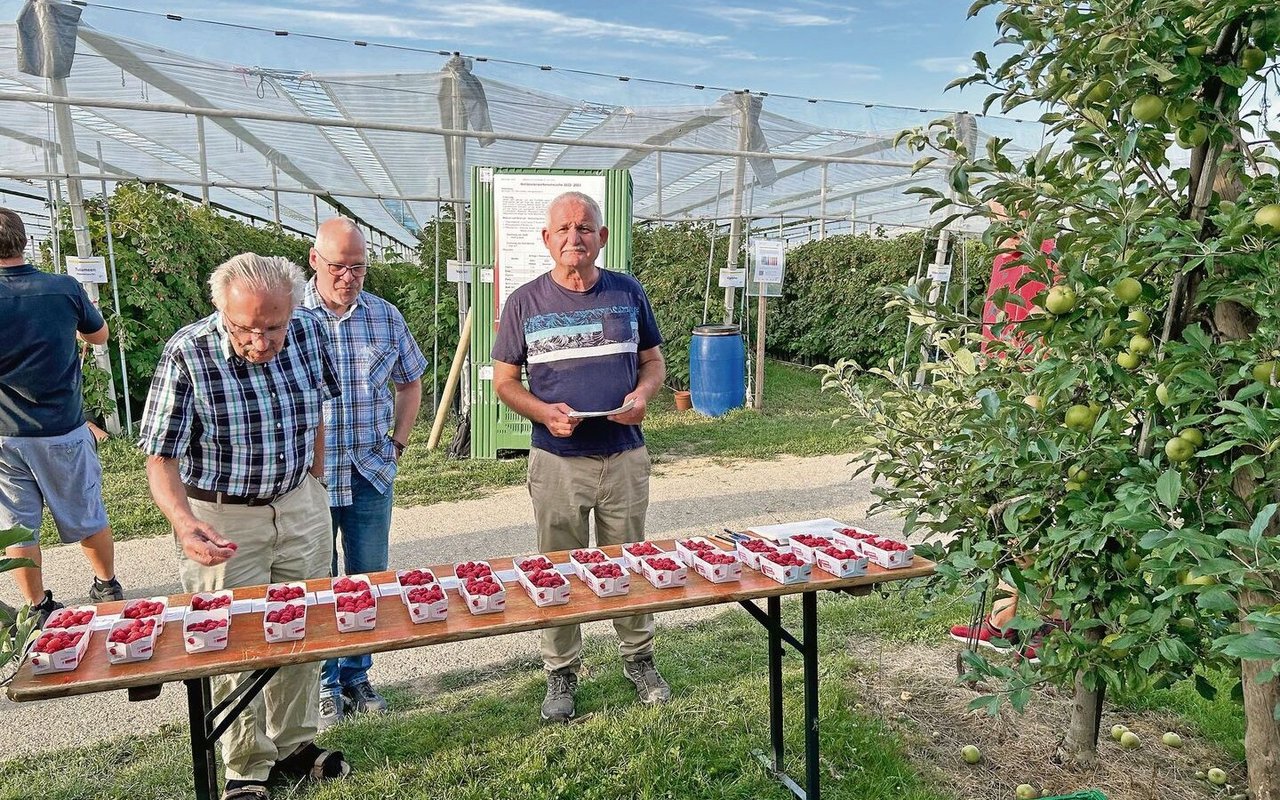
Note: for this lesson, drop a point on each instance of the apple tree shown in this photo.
(1113, 456)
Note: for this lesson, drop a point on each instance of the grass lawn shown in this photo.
(797, 420)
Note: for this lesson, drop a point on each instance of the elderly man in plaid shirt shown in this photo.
(234, 434)
(366, 430)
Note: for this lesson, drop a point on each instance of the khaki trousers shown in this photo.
(566, 490)
(288, 540)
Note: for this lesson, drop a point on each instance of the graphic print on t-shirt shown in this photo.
(581, 334)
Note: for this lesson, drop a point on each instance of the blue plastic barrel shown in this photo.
(717, 366)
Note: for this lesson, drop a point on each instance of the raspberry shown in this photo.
(785, 559)
(757, 546)
(53, 642)
(206, 626)
(811, 541)
(426, 594)
(347, 586)
(199, 603)
(836, 552)
(143, 608)
(69, 618)
(535, 563)
(716, 558)
(417, 577)
(133, 631)
(662, 564)
(472, 569)
(287, 614)
(588, 556)
(642, 549)
(886, 544)
(484, 585)
(697, 545)
(546, 579)
(355, 603)
(606, 571)
(284, 593)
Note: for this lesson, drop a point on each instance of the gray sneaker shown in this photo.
(105, 591)
(363, 698)
(333, 708)
(558, 706)
(650, 686)
(44, 608)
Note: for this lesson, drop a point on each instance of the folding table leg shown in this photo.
(775, 681)
(809, 625)
(204, 768)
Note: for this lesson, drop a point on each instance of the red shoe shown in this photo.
(984, 636)
(1035, 643)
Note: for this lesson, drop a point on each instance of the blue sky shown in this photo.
(872, 51)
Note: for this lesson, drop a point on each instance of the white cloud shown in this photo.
(784, 17)
(494, 21)
(947, 65)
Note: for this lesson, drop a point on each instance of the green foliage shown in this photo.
(17, 628)
(833, 303)
(1149, 559)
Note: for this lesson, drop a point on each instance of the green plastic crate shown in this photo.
(1087, 794)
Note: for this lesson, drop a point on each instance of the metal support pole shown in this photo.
(275, 195)
(822, 205)
(739, 180)
(204, 160)
(315, 210)
(80, 225)
(658, 177)
(435, 323)
(115, 295)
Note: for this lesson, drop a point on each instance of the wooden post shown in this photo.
(446, 398)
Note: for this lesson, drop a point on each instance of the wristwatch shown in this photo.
(399, 446)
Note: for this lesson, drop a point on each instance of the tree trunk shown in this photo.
(1261, 734)
(1081, 743)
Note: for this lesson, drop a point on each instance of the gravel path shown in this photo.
(686, 497)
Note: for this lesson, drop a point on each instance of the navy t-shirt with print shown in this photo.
(581, 349)
(40, 358)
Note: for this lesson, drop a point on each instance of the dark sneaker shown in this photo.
(363, 698)
(105, 591)
(44, 608)
(987, 635)
(558, 705)
(333, 708)
(650, 686)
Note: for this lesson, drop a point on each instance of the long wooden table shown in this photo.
(247, 649)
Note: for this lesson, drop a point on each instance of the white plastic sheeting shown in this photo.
(389, 179)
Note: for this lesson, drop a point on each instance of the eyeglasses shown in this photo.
(245, 332)
(357, 270)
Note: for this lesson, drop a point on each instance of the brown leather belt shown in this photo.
(196, 493)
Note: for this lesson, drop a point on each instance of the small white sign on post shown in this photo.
(737, 278)
(458, 271)
(87, 270)
(768, 267)
(940, 272)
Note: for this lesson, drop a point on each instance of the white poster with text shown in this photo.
(520, 211)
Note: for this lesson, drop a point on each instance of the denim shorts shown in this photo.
(61, 473)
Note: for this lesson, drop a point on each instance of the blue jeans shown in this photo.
(365, 526)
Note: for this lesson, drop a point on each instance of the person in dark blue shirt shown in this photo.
(589, 341)
(48, 456)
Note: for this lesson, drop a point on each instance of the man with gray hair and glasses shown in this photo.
(234, 436)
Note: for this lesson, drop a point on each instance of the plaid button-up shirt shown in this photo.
(372, 348)
(236, 427)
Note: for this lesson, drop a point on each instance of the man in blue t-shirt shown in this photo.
(589, 341)
(48, 456)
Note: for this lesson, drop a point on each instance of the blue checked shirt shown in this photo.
(235, 427)
(372, 348)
